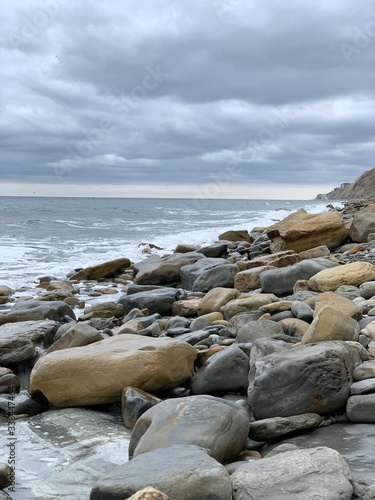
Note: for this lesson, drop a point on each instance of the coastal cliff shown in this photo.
(363, 187)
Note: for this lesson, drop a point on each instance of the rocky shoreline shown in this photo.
(239, 370)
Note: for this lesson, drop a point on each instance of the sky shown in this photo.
(198, 99)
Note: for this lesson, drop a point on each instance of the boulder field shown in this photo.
(210, 360)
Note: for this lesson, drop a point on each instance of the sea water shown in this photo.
(53, 236)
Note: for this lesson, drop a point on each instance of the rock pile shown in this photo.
(215, 354)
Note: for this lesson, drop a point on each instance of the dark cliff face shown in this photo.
(363, 187)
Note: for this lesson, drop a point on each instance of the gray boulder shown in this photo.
(215, 250)
(363, 387)
(298, 474)
(159, 300)
(281, 281)
(239, 320)
(361, 408)
(35, 310)
(18, 340)
(219, 276)
(367, 290)
(227, 370)
(181, 472)
(312, 378)
(302, 311)
(272, 428)
(190, 273)
(259, 329)
(218, 425)
(156, 270)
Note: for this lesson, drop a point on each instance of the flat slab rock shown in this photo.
(272, 428)
(299, 475)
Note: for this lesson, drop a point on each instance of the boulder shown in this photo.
(181, 472)
(159, 300)
(191, 272)
(156, 270)
(97, 373)
(35, 310)
(361, 408)
(294, 327)
(104, 270)
(5, 293)
(258, 330)
(247, 303)
(302, 231)
(216, 298)
(77, 335)
(331, 324)
(306, 379)
(299, 474)
(135, 403)
(187, 308)
(103, 310)
(236, 235)
(301, 310)
(364, 371)
(342, 304)
(354, 273)
(214, 250)
(282, 281)
(367, 290)
(363, 387)
(227, 370)
(278, 259)
(219, 425)
(249, 279)
(237, 322)
(314, 253)
(363, 224)
(273, 428)
(219, 276)
(19, 340)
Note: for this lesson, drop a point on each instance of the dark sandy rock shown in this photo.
(363, 387)
(217, 298)
(219, 276)
(294, 327)
(193, 338)
(238, 321)
(356, 443)
(180, 471)
(302, 231)
(135, 403)
(9, 382)
(23, 404)
(215, 424)
(299, 474)
(156, 301)
(247, 304)
(214, 250)
(249, 279)
(272, 428)
(5, 293)
(164, 270)
(5, 479)
(361, 408)
(183, 248)
(363, 224)
(281, 281)
(76, 335)
(103, 310)
(190, 273)
(63, 453)
(97, 373)
(104, 270)
(18, 340)
(35, 310)
(56, 295)
(257, 330)
(227, 370)
(188, 308)
(306, 379)
(236, 235)
(331, 324)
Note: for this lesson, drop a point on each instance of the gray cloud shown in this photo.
(168, 92)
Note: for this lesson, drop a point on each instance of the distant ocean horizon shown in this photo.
(54, 235)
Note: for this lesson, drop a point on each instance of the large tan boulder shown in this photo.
(98, 373)
(102, 270)
(331, 324)
(248, 280)
(216, 298)
(354, 273)
(363, 224)
(246, 304)
(301, 231)
(335, 301)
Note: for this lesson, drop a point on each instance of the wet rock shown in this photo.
(367, 289)
(257, 330)
(298, 474)
(103, 310)
(104, 270)
(301, 310)
(217, 298)
(236, 235)
(361, 408)
(213, 423)
(363, 387)
(97, 373)
(5, 293)
(215, 250)
(76, 335)
(135, 403)
(219, 276)
(35, 310)
(159, 300)
(181, 472)
(5, 479)
(149, 494)
(364, 370)
(272, 428)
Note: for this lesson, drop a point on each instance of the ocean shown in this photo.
(52, 236)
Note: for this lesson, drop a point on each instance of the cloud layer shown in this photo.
(223, 92)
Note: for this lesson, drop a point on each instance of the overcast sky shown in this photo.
(198, 98)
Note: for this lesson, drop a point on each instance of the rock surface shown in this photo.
(35, 310)
(272, 428)
(354, 273)
(102, 270)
